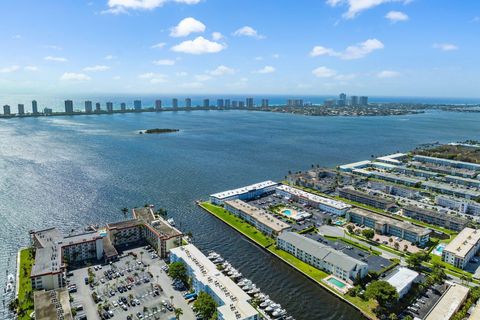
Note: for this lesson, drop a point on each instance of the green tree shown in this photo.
(438, 273)
(205, 305)
(368, 233)
(383, 292)
(178, 270)
(350, 228)
(415, 259)
(178, 312)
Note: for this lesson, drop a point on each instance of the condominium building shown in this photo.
(265, 103)
(232, 301)
(21, 109)
(206, 103)
(160, 234)
(389, 226)
(137, 105)
(463, 181)
(365, 198)
(322, 257)
(448, 162)
(88, 107)
(323, 203)
(98, 107)
(461, 205)
(123, 106)
(125, 232)
(394, 189)
(395, 159)
(355, 165)
(445, 220)
(227, 103)
(188, 103)
(220, 103)
(52, 305)
(249, 103)
(463, 248)
(175, 103)
(6, 110)
(68, 106)
(158, 105)
(245, 193)
(450, 302)
(34, 107)
(363, 101)
(354, 101)
(448, 189)
(109, 107)
(259, 218)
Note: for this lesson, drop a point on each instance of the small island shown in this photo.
(158, 130)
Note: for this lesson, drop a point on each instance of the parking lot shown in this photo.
(135, 287)
(425, 302)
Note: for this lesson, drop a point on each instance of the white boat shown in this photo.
(272, 307)
(9, 287)
(213, 255)
(279, 312)
(11, 278)
(171, 222)
(265, 303)
(218, 260)
(253, 291)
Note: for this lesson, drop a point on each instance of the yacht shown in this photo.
(171, 222)
(11, 278)
(279, 313)
(272, 307)
(265, 303)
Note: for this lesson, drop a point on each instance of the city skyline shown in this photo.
(383, 48)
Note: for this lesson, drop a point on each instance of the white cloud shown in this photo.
(122, 6)
(276, 55)
(396, 16)
(345, 77)
(56, 59)
(259, 58)
(53, 47)
(476, 19)
(116, 78)
(221, 71)
(445, 46)
(164, 62)
(351, 52)
(192, 85)
(9, 69)
(182, 74)
(153, 77)
(30, 68)
(324, 72)
(17, 36)
(188, 1)
(109, 57)
(248, 31)
(202, 77)
(147, 75)
(71, 76)
(199, 45)
(158, 45)
(265, 70)
(217, 36)
(187, 26)
(97, 68)
(355, 7)
(388, 74)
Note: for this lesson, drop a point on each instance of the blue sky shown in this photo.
(374, 47)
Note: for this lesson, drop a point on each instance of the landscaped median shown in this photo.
(24, 301)
(365, 307)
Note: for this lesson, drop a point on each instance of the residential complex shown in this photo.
(449, 303)
(365, 198)
(53, 304)
(448, 162)
(462, 248)
(322, 256)
(233, 302)
(461, 205)
(54, 252)
(259, 218)
(244, 193)
(323, 203)
(437, 218)
(389, 226)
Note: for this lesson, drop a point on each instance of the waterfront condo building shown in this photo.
(250, 103)
(402, 280)
(261, 219)
(34, 107)
(232, 301)
(98, 107)
(244, 193)
(137, 105)
(448, 162)
(88, 107)
(326, 204)
(109, 107)
(175, 103)
(363, 101)
(365, 198)
(264, 103)
(227, 103)
(220, 103)
(158, 105)
(123, 106)
(68, 106)
(21, 109)
(461, 205)
(322, 257)
(206, 103)
(389, 226)
(188, 103)
(463, 248)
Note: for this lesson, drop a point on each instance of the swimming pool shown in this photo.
(336, 283)
(439, 249)
(287, 212)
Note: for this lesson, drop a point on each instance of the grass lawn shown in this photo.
(449, 268)
(238, 224)
(25, 292)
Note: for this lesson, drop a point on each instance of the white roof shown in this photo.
(243, 190)
(313, 197)
(235, 299)
(465, 241)
(355, 165)
(383, 165)
(449, 303)
(393, 158)
(402, 278)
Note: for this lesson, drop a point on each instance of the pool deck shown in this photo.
(342, 290)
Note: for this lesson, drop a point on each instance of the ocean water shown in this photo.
(73, 171)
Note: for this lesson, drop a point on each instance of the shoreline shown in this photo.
(266, 248)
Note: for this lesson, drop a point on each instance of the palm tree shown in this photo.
(178, 312)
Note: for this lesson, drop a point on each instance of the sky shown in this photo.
(427, 48)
